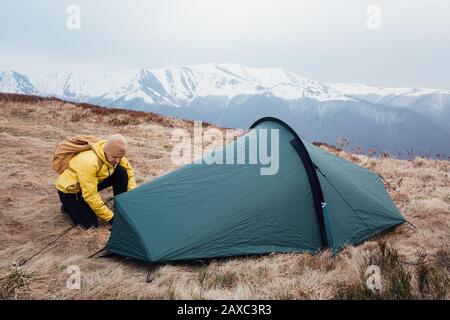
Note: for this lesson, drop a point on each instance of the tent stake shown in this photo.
(97, 252)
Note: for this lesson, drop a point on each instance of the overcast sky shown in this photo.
(324, 40)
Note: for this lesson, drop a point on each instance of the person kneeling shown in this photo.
(88, 173)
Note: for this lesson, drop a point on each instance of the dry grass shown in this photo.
(400, 280)
(30, 128)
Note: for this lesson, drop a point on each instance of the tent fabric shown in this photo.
(201, 211)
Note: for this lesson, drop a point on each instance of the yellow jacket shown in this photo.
(86, 170)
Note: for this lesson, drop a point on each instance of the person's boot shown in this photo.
(63, 210)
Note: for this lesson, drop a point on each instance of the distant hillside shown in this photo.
(390, 120)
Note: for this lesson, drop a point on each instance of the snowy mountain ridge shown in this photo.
(174, 86)
(390, 119)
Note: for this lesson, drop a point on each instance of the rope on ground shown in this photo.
(392, 187)
(97, 252)
(399, 193)
(112, 198)
(411, 225)
(62, 234)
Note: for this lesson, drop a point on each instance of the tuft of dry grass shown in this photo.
(30, 218)
(399, 280)
(76, 116)
(124, 120)
(14, 282)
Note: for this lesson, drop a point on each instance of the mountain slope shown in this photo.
(178, 86)
(14, 82)
(234, 95)
(395, 130)
(431, 103)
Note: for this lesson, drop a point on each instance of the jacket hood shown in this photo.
(98, 149)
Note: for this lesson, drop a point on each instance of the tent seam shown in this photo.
(360, 218)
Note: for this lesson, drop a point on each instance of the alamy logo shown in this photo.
(373, 275)
(374, 17)
(258, 147)
(74, 280)
(74, 18)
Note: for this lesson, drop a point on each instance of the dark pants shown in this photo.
(78, 209)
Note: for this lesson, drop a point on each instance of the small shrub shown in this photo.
(356, 291)
(324, 146)
(262, 272)
(372, 152)
(15, 280)
(354, 159)
(426, 178)
(21, 112)
(399, 283)
(171, 292)
(283, 295)
(359, 150)
(385, 155)
(398, 280)
(225, 279)
(386, 257)
(203, 273)
(442, 258)
(197, 296)
(342, 143)
(418, 163)
(124, 120)
(432, 281)
(411, 154)
(76, 117)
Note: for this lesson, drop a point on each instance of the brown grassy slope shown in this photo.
(30, 128)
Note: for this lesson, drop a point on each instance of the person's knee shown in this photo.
(88, 219)
(88, 224)
(120, 180)
(121, 172)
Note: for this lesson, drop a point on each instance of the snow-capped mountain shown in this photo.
(178, 86)
(14, 82)
(383, 95)
(432, 103)
(234, 95)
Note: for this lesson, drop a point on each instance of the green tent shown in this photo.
(316, 200)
